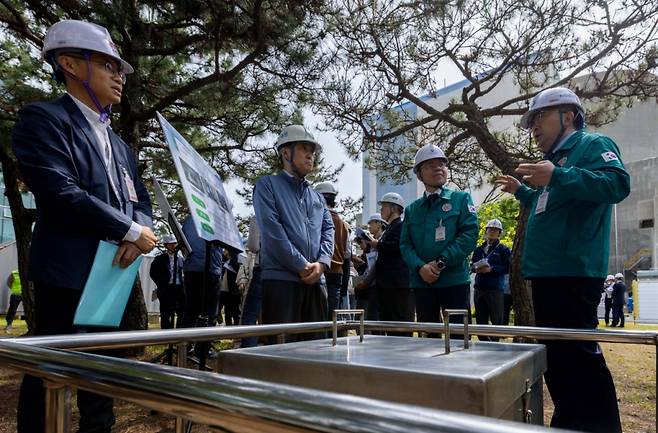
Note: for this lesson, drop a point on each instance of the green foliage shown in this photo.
(505, 209)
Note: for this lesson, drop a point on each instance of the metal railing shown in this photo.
(20, 352)
(231, 403)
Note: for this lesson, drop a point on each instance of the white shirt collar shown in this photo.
(92, 117)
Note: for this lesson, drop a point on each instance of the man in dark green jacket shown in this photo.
(440, 232)
(566, 249)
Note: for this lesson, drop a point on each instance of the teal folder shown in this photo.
(106, 292)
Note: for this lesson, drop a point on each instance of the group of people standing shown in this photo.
(87, 188)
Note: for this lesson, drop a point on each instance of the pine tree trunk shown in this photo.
(521, 293)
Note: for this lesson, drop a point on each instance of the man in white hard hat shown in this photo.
(87, 189)
(296, 233)
(490, 262)
(618, 300)
(167, 274)
(340, 260)
(570, 194)
(440, 233)
(607, 298)
(394, 295)
(376, 225)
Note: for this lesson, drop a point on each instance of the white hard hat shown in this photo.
(326, 188)
(427, 152)
(494, 224)
(392, 197)
(376, 217)
(81, 35)
(619, 275)
(293, 134)
(169, 239)
(610, 277)
(552, 98)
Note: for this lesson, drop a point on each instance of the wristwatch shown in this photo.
(440, 262)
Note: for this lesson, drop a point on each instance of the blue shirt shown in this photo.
(295, 227)
(196, 261)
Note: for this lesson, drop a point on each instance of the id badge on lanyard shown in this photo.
(542, 201)
(440, 232)
(130, 185)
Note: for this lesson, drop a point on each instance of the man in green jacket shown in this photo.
(565, 255)
(440, 232)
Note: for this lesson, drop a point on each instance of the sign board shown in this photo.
(204, 191)
(173, 223)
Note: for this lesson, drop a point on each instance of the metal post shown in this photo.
(58, 407)
(334, 329)
(181, 361)
(446, 327)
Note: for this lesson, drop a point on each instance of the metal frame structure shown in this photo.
(225, 401)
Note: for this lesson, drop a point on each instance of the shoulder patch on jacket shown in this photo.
(609, 156)
(471, 208)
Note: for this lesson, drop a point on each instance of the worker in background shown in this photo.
(618, 300)
(15, 297)
(490, 262)
(607, 297)
(167, 274)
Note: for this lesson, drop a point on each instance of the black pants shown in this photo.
(334, 282)
(292, 302)
(430, 302)
(508, 303)
(396, 305)
(14, 302)
(488, 307)
(577, 376)
(230, 302)
(194, 298)
(608, 307)
(54, 311)
(172, 304)
(618, 315)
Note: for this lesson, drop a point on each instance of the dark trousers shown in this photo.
(508, 303)
(430, 302)
(608, 307)
(54, 311)
(618, 315)
(396, 305)
(172, 304)
(194, 299)
(334, 281)
(292, 302)
(488, 307)
(14, 302)
(577, 376)
(230, 302)
(252, 306)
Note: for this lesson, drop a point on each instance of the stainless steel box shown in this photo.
(500, 380)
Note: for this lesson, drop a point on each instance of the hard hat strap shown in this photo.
(103, 111)
(559, 136)
(291, 160)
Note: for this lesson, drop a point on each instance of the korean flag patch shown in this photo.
(609, 156)
(471, 208)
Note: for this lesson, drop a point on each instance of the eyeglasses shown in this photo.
(539, 115)
(109, 66)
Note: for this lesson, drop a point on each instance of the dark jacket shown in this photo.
(618, 292)
(160, 273)
(60, 161)
(499, 260)
(391, 270)
(196, 261)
